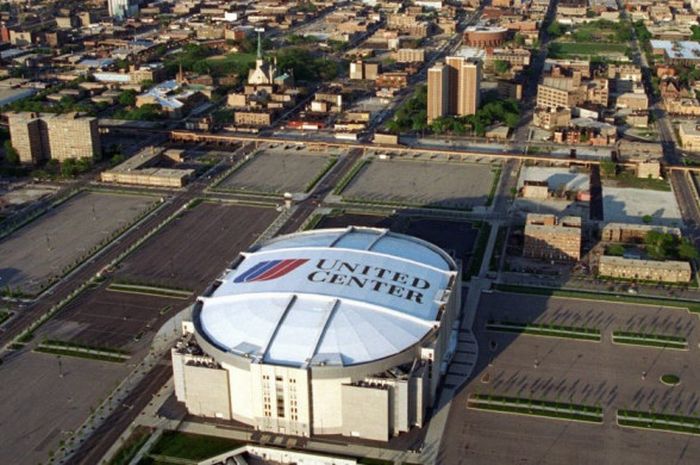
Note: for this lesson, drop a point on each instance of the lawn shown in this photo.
(564, 49)
(192, 446)
(222, 64)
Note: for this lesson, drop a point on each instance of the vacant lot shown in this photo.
(196, 247)
(592, 373)
(443, 185)
(278, 171)
(45, 249)
(456, 237)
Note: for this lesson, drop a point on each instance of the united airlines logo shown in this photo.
(270, 269)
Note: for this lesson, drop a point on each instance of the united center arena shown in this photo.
(335, 331)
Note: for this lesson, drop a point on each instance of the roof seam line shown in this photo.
(329, 316)
(289, 306)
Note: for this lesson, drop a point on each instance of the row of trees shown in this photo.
(495, 111)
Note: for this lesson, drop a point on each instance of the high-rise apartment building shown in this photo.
(43, 137)
(455, 84)
(438, 83)
(469, 80)
(121, 9)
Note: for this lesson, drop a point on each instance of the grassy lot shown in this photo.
(619, 298)
(192, 446)
(4, 315)
(223, 64)
(628, 179)
(132, 445)
(566, 332)
(566, 49)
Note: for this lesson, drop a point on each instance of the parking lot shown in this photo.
(592, 373)
(278, 170)
(445, 185)
(456, 237)
(116, 320)
(196, 247)
(40, 406)
(45, 248)
(626, 205)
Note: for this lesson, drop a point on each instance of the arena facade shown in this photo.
(335, 331)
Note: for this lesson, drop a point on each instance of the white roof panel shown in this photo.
(329, 297)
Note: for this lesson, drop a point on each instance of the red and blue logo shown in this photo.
(270, 269)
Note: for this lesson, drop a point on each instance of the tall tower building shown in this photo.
(438, 91)
(453, 87)
(468, 87)
(121, 9)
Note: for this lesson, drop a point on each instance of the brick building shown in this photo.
(551, 239)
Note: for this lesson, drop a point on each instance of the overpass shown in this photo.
(231, 139)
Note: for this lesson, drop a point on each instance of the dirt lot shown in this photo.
(277, 171)
(44, 248)
(197, 246)
(446, 185)
(456, 237)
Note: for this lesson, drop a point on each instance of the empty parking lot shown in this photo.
(278, 171)
(609, 375)
(438, 184)
(193, 249)
(45, 248)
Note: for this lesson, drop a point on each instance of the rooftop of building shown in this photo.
(329, 297)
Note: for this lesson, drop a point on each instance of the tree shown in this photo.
(608, 168)
(687, 251)
(556, 29)
(696, 33)
(11, 154)
(660, 245)
(617, 250)
(647, 219)
(501, 66)
(127, 98)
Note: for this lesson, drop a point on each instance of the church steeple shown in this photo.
(259, 44)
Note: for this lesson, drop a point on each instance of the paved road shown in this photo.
(522, 132)
(682, 185)
(92, 450)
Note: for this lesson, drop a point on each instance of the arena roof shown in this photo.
(329, 297)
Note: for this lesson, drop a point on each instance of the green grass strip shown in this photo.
(651, 340)
(478, 252)
(542, 408)
(79, 354)
(311, 184)
(349, 176)
(566, 332)
(600, 296)
(149, 290)
(4, 316)
(658, 421)
(77, 345)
